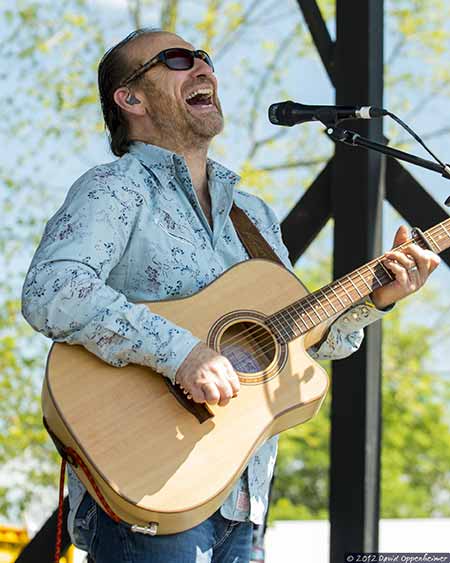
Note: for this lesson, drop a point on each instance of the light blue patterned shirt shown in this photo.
(133, 230)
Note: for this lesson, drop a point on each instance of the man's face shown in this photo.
(171, 106)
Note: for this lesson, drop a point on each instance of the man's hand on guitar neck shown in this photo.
(411, 268)
(207, 376)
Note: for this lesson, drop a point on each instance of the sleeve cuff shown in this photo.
(360, 316)
(187, 345)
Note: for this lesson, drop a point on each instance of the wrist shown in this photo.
(379, 304)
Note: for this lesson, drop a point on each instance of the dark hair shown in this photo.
(112, 69)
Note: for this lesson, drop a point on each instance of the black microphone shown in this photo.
(293, 113)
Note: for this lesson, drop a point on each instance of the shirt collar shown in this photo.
(165, 161)
(221, 181)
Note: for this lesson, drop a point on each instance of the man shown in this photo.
(154, 224)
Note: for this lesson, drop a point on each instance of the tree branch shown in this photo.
(232, 37)
(169, 15)
(259, 89)
(426, 136)
(135, 11)
(396, 50)
(425, 100)
(258, 144)
(292, 164)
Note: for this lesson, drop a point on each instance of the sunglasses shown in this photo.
(175, 59)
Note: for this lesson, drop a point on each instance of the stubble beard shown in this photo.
(178, 125)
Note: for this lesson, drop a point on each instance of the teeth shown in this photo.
(205, 91)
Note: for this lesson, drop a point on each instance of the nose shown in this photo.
(201, 67)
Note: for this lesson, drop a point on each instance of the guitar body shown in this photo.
(152, 459)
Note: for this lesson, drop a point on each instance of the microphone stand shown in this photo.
(352, 138)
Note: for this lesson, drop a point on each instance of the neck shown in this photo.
(329, 301)
(195, 158)
(196, 163)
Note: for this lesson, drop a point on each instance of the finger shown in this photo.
(400, 273)
(227, 379)
(211, 393)
(233, 380)
(426, 260)
(225, 389)
(401, 236)
(401, 258)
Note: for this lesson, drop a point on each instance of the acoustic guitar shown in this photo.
(164, 463)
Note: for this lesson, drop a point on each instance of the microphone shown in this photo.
(292, 113)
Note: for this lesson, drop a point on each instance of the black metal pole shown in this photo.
(41, 548)
(357, 197)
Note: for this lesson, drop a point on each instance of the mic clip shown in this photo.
(342, 135)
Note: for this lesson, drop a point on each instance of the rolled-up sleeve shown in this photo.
(66, 296)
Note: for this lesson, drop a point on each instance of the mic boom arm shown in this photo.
(356, 140)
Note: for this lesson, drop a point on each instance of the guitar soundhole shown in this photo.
(249, 346)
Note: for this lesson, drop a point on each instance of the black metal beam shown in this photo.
(321, 37)
(41, 548)
(411, 200)
(308, 216)
(357, 197)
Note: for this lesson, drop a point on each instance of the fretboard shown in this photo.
(315, 308)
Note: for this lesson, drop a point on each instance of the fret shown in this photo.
(305, 312)
(295, 322)
(435, 244)
(309, 299)
(308, 312)
(347, 293)
(299, 318)
(320, 303)
(373, 272)
(287, 325)
(357, 290)
(445, 230)
(364, 280)
(276, 321)
(389, 274)
(336, 295)
(326, 297)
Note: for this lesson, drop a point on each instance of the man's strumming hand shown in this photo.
(207, 376)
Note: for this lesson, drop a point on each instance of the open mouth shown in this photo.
(201, 98)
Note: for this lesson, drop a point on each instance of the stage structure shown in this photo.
(351, 189)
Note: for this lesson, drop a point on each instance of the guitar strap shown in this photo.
(256, 247)
(253, 241)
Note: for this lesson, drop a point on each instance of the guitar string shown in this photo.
(378, 261)
(269, 340)
(310, 298)
(335, 296)
(262, 345)
(290, 320)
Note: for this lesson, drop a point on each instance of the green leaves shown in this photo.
(53, 118)
(415, 475)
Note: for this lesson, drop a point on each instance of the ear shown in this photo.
(136, 107)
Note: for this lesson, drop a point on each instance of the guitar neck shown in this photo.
(315, 308)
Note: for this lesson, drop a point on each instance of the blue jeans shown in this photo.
(216, 540)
